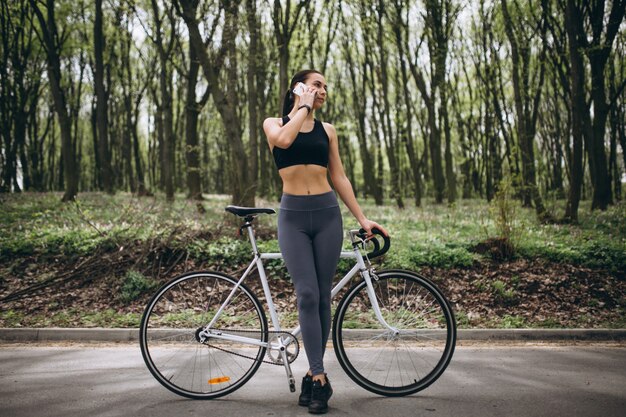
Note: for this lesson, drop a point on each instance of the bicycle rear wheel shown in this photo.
(175, 353)
(394, 364)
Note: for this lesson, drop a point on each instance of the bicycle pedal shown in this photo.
(292, 386)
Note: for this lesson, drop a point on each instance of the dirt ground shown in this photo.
(518, 293)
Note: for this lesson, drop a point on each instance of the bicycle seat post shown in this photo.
(248, 225)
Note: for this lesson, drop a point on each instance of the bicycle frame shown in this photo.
(258, 263)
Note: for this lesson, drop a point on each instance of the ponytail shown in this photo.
(288, 102)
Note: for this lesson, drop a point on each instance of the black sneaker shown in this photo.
(320, 394)
(305, 393)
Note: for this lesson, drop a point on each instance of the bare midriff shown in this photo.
(306, 179)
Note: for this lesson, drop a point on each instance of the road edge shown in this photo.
(132, 335)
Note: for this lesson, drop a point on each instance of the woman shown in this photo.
(310, 230)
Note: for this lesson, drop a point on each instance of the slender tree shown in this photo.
(253, 88)
(358, 82)
(598, 51)
(165, 111)
(102, 107)
(285, 22)
(401, 33)
(225, 96)
(52, 43)
(527, 96)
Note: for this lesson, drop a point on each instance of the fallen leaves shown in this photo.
(535, 293)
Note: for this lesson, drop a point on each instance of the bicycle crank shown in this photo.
(281, 343)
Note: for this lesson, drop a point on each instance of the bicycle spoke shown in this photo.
(177, 359)
(395, 364)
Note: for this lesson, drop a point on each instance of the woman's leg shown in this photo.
(296, 246)
(327, 243)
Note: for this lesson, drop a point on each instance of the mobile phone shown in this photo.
(299, 89)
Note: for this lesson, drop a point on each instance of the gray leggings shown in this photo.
(310, 235)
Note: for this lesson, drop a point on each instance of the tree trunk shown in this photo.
(602, 195)
(375, 123)
(253, 101)
(167, 151)
(226, 101)
(50, 38)
(384, 111)
(598, 52)
(401, 37)
(106, 173)
(525, 108)
(129, 127)
(358, 93)
(450, 176)
(141, 183)
(192, 111)
(284, 25)
(438, 21)
(573, 25)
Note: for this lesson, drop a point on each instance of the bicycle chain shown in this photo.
(295, 340)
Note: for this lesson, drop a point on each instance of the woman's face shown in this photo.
(318, 82)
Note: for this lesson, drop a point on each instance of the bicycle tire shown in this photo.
(174, 354)
(395, 365)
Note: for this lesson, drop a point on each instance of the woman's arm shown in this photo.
(283, 136)
(342, 184)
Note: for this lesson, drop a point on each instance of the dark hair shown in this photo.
(299, 77)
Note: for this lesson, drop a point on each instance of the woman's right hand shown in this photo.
(308, 97)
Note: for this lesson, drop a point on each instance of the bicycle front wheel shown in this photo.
(177, 354)
(412, 354)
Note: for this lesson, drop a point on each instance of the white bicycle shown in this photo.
(204, 334)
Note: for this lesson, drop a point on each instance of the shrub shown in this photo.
(224, 252)
(502, 293)
(503, 213)
(605, 255)
(134, 285)
(441, 256)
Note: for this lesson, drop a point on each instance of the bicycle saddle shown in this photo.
(246, 211)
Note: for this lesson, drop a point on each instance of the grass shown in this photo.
(71, 318)
(36, 229)
(433, 235)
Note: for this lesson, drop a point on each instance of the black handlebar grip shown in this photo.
(378, 251)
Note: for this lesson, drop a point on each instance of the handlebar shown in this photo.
(378, 251)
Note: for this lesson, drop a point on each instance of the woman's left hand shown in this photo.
(368, 225)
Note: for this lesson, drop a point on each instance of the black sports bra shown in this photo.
(308, 148)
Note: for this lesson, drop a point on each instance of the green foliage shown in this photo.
(135, 284)
(440, 255)
(35, 224)
(110, 318)
(512, 322)
(433, 235)
(225, 252)
(502, 240)
(11, 318)
(70, 318)
(462, 320)
(503, 210)
(601, 253)
(502, 292)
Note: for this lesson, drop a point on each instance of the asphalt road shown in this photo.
(504, 380)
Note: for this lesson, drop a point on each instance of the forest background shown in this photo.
(489, 136)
